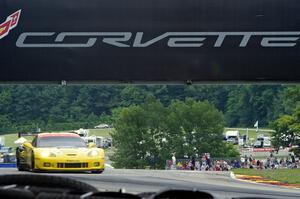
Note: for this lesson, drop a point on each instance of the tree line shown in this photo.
(52, 107)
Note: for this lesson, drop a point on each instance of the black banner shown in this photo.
(149, 40)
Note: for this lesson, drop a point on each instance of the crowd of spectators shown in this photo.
(270, 162)
(204, 164)
(208, 164)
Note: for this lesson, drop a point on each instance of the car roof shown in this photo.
(57, 135)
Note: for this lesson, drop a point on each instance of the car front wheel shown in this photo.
(20, 166)
(32, 164)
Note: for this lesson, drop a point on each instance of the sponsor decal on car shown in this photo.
(10, 23)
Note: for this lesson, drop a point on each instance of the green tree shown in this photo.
(132, 95)
(249, 103)
(5, 124)
(287, 129)
(130, 136)
(148, 134)
(195, 127)
(283, 133)
(288, 100)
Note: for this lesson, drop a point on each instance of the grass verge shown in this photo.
(290, 176)
(101, 132)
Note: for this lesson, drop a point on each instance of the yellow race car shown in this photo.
(59, 152)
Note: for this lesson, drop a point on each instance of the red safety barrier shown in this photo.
(263, 149)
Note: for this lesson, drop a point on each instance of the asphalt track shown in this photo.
(220, 184)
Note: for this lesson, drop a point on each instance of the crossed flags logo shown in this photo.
(10, 23)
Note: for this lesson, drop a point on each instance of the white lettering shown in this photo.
(172, 39)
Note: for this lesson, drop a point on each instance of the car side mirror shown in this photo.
(91, 145)
(28, 145)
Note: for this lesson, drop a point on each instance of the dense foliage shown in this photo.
(287, 129)
(50, 107)
(152, 122)
(148, 134)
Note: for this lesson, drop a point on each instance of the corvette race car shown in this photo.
(59, 152)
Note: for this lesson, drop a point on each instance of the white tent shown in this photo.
(21, 140)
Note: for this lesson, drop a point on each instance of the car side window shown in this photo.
(33, 143)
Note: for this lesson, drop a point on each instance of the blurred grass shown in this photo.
(291, 176)
(9, 139)
(101, 132)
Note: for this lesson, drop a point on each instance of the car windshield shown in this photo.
(60, 141)
(153, 94)
(160, 131)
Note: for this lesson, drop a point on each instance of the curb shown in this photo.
(259, 180)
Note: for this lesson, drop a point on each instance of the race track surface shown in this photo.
(220, 184)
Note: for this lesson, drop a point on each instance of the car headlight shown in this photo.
(93, 153)
(46, 154)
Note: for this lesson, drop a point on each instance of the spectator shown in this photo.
(217, 166)
(261, 165)
(208, 162)
(203, 167)
(225, 166)
(268, 163)
(281, 161)
(253, 162)
(197, 165)
(179, 165)
(243, 161)
(246, 161)
(250, 159)
(193, 163)
(284, 162)
(189, 165)
(173, 161)
(271, 154)
(257, 164)
(237, 164)
(293, 160)
(184, 166)
(169, 164)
